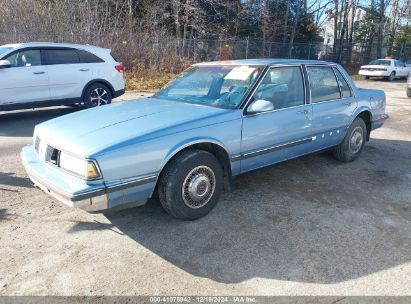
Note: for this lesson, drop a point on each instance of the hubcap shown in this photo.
(198, 187)
(356, 140)
(99, 97)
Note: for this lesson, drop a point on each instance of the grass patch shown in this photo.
(147, 83)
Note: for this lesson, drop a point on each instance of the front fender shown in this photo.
(190, 142)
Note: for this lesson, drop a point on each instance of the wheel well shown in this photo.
(219, 152)
(100, 81)
(367, 117)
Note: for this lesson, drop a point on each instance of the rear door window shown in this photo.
(323, 84)
(62, 56)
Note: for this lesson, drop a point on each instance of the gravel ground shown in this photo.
(311, 226)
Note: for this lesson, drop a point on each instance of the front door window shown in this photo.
(25, 58)
(283, 87)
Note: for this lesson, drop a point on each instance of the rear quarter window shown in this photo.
(114, 57)
(345, 88)
(87, 57)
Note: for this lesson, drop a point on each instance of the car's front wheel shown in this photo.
(409, 92)
(191, 184)
(97, 95)
(350, 148)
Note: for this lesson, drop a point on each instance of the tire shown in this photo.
(391, 77)
(191, 184)
(409, 92)
(97, 94)
(350, 148)
(367, 77)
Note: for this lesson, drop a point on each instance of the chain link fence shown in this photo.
(171, 55)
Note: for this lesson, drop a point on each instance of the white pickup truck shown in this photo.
(387, 68)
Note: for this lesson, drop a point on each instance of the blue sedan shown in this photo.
(186, 143)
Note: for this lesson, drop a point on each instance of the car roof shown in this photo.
(267, 61)
(49, 44)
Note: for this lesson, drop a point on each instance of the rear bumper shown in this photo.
(118, 93)
(379, 121)
(71, 191)
(374, 73)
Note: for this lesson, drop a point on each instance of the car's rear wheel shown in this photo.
(409, 92)
(367, 77)
(350, 148)
(392, 76)
(191, 184)
(96, 95)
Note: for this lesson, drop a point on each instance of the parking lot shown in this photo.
(311, 226)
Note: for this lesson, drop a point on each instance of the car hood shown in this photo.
(87, 132)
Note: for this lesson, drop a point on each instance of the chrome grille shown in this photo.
(37, 144)
(52, 155)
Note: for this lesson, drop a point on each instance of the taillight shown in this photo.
(381, 69)
(362, 69)
(119, 68)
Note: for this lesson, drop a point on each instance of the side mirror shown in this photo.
(260, 105)
(4, 64)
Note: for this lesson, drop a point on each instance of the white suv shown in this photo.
(34, 75)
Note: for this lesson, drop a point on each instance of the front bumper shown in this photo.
(70, 190)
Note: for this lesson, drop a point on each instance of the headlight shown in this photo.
(79, 166)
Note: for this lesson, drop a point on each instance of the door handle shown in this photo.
(303, 112)
(84, 70)
(347, 103)
(38, 72)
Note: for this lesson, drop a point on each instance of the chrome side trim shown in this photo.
(131, 183)
(272, 149)
(236, 157)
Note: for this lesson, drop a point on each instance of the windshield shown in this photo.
(220, 85)
(3, 50)
(380, 62)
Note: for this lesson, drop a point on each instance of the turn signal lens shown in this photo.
(92, 171)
